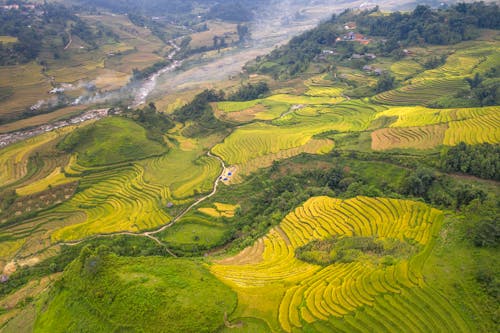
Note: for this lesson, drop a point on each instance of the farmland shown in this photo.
(312, 294)
(423, 128)
(358, 192)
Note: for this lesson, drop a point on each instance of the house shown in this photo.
(356, 56)
(370, 56)
(368, 68)
(10, 7)
(350, 26)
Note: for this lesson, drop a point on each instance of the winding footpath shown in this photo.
(151, 234)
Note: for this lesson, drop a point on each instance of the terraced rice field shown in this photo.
(292, 131)
(294, 99)
(14, 159)
(424, 137)
(305, 294)
(231, 106)
(423, 128)
(112, 201)
(55, 178)
(475, 130)
(219, 210)
(313, 146)
(183, 172)
(324, 91)
(421, 92)
(404, 68)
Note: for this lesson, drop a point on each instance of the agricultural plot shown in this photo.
(473, 57)
(114, 200)
(219, 210)
(292, 131)
(423, 128)
(405, 68)
(55, 178)
(295, 294)
(424, 137)
(183, 172)
(295, 99)
(28, 86)
(422, 92)
(14, 159)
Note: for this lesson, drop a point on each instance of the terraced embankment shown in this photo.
(294, 294)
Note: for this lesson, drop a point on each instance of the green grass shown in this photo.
(101, 292)
(193, 234)
(230, 106)
(109, 141)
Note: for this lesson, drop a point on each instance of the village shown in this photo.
(13, 137)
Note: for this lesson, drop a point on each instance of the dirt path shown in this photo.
(150, 234)
(70, 41)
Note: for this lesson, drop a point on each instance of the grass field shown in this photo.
(136, 294)
(295, 294)
(111, 140)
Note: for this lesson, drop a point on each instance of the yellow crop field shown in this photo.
(299, 292)
(231, 106)
(423, 128)
(114, 201)
(257, 140)
(28, 85)
(324, 91)
(474, 130)
(294, 99)
(404, 68)
(289, 134)
(14, 158)
(184, 170)
(8, 39)
(421, 116)
(421, 92)
(55, 178)
(219, 210)
(423, 137)
(313, 146)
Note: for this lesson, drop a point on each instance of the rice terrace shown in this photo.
(249, 166)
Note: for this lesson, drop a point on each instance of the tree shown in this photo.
(385, 82)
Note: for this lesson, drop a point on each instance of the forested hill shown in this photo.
(229, 10)
(391, 34)
(43, 25)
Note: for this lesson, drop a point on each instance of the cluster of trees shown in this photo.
(33, 29)
(439, 190)
(200, 113)
(249, 92)
(295, 57)
(425, 25)
(482, 160)
(29, 39)
(422, 26)
(140, 74)
(156, 123)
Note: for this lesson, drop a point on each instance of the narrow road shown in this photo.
(70, 41)
(150, 234)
